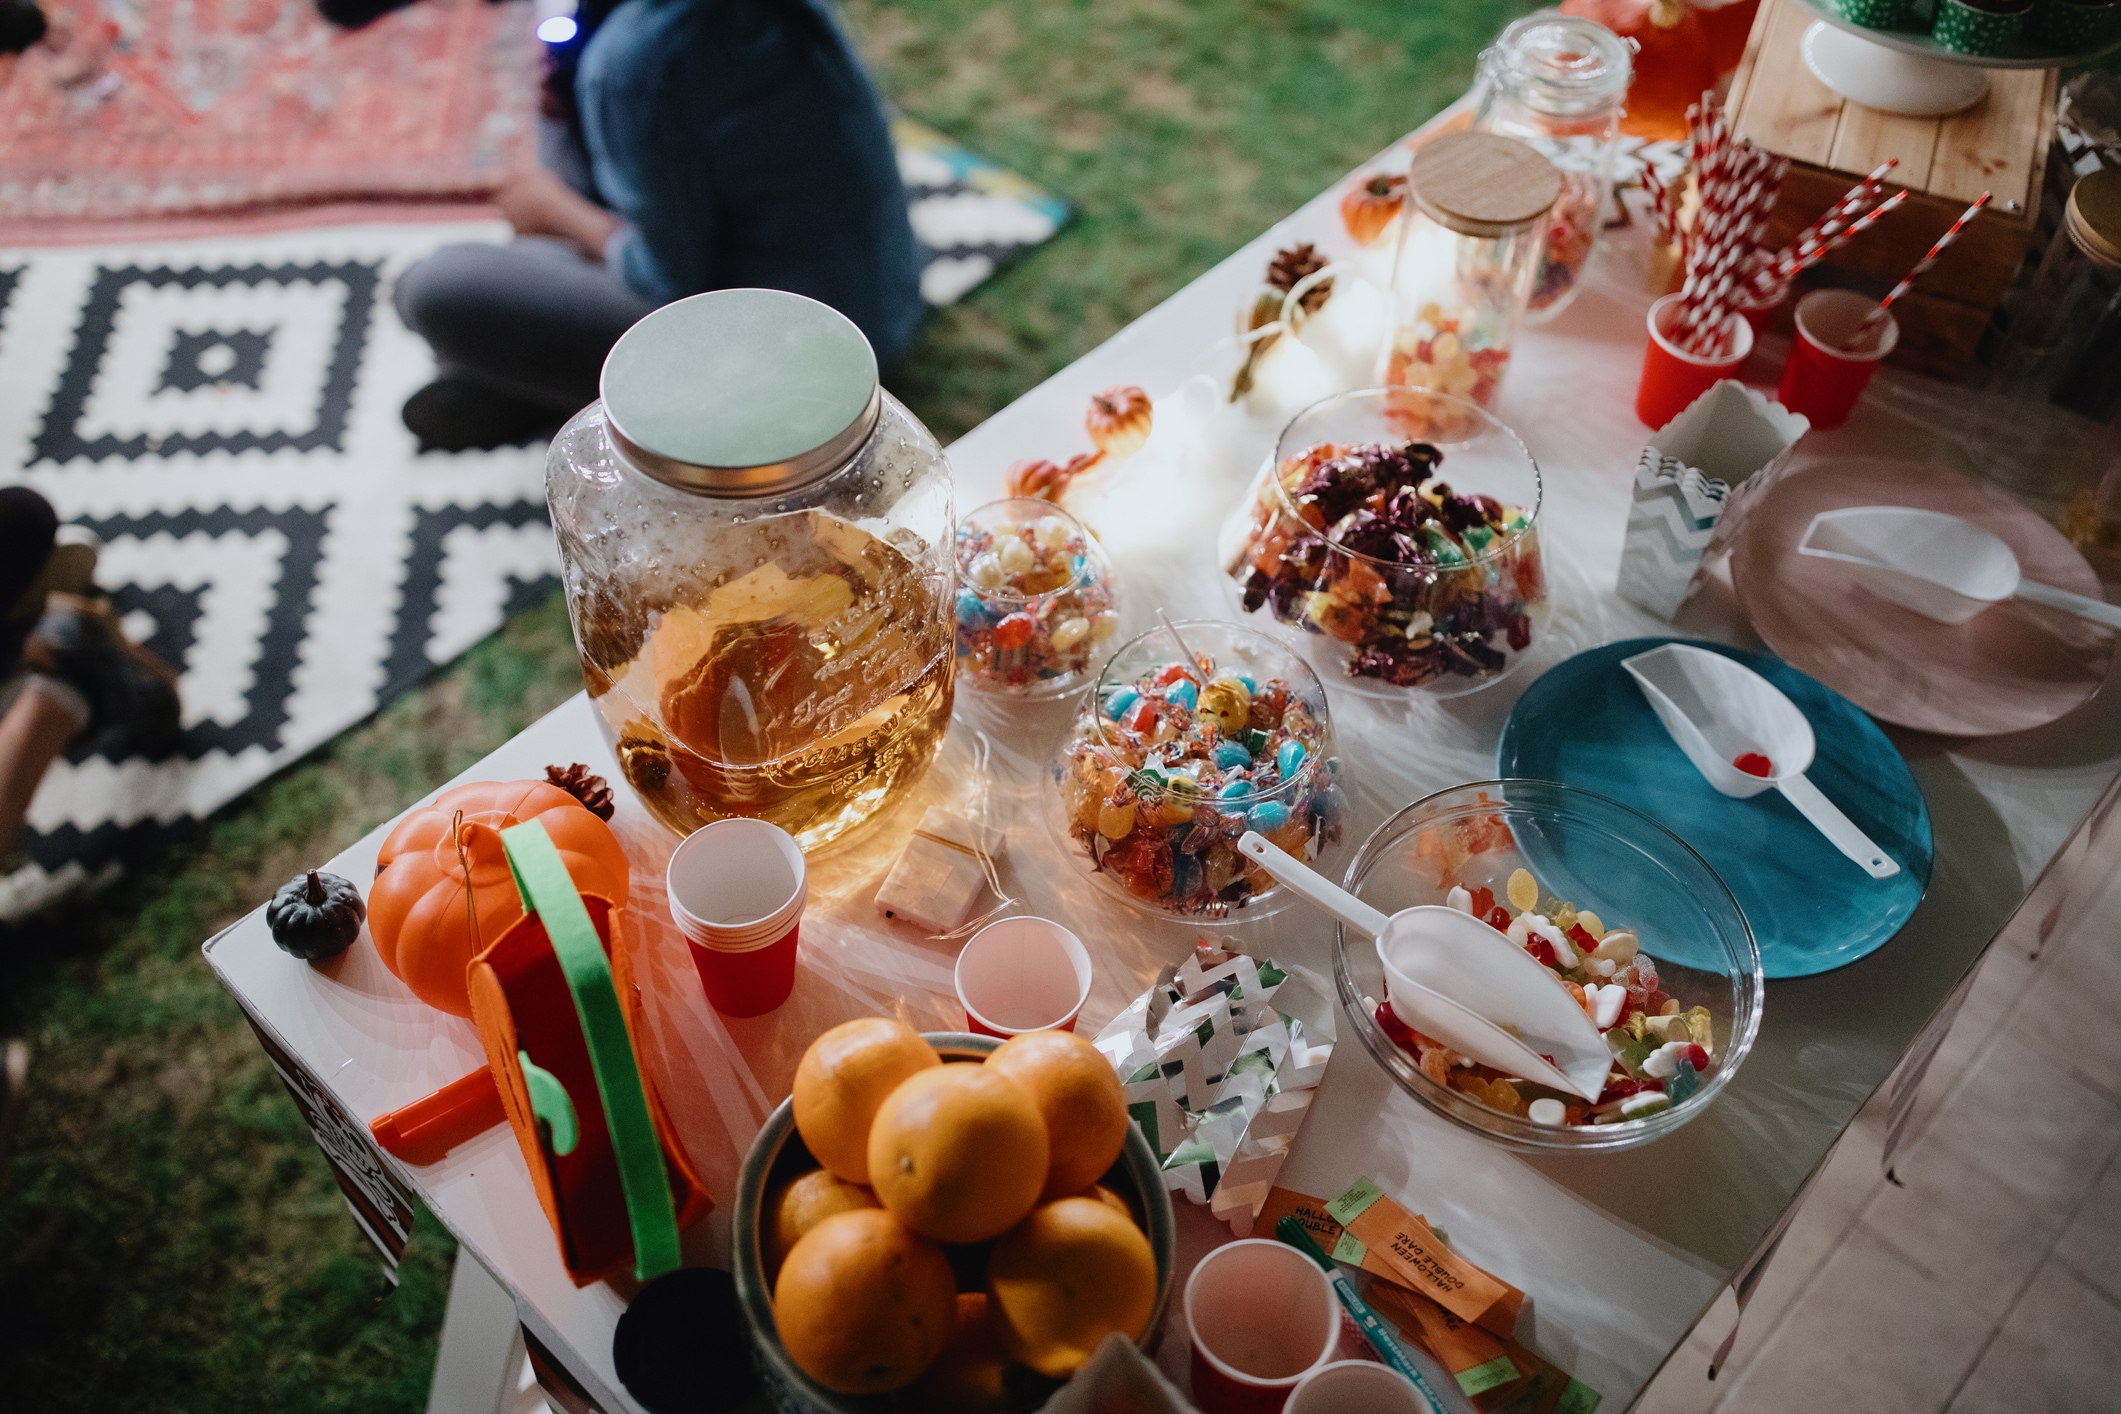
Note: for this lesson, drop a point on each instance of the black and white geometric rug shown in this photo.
(224, 415)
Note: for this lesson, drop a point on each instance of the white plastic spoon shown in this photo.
(1455, 978)
(1718, 710)
(1941, 566)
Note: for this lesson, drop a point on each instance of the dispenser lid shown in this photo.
(1482, 184)
(741, 392)
(1561, 66)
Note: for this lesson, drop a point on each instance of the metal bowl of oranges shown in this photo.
(1012, 1219)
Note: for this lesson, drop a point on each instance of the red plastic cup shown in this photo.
(1671, 378)
(737, 890)
(1261, 1316)
(1356, 1387)
(1822, 379)
(1757, 312)
(1023, 974)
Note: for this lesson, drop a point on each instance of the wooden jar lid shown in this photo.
(2094, 217)
(1482, 184)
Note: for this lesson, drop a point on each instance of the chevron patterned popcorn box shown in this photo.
(1691, 485)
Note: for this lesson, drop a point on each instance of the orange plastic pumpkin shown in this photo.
(416, 910)
(1119, 420)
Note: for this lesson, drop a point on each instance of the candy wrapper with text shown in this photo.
(1220, 1059)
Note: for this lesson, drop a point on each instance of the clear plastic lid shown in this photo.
(1560, 66)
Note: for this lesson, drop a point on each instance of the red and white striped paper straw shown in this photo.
(1797, 255)
(1922, 266)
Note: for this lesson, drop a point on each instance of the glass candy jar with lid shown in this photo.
(1559, 83)
(1469, 247)
(757, 548)
(2063, 344)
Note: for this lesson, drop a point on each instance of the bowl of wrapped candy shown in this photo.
(1196, 732)
(1036, 599)
(1396, 530)
(1625, 916)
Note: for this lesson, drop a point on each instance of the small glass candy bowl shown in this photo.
(1174, 756)
(1592, 869)
(1398, 529)
(1036, 599)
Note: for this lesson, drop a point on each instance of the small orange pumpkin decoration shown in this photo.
(416, 909)
(1368, 208)
(1043, 480)
(1119, 420)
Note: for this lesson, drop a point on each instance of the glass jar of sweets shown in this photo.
(2064, 340)
(1560, 83)
(757, 548)
(1468, 248)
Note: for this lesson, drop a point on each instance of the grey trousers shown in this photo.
(531, 318)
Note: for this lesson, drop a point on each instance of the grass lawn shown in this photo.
(169, 1237)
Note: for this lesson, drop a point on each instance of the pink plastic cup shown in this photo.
(1822, 379)
(1261, 1316)
(1672, 378)
(737, 889)
(1023, 974)
(1356, 1387)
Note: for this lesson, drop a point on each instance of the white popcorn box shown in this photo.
(1691, 484)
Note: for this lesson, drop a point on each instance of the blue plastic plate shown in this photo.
(1585, 724)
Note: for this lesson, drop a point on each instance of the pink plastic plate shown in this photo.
(2008, 669)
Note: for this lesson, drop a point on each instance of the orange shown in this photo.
(970, 1376)
(1110, 1199)
(863, 1305)
(1065, 1278)
(958, 1153)
(1078, 1095)
(841, 1080)
(803, 1204)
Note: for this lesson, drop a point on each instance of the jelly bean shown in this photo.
(1069, 632)
(1267, 816)
(1230, 756)
(1015, 631)
(1548, 1111)
(1117, 705)
(1115, 819)
(1289, 757)
(1523, 890)
(1184, 694)
(1015, 557)
(1754, 764)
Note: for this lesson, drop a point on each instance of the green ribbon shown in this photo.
(549, 893)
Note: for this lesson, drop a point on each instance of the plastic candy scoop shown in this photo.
(1941, 566)
(1456, 978)
(1725, 717)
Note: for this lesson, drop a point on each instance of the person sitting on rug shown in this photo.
(703, 144)
(79, 681)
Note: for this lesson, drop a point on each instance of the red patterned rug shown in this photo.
(138, 118)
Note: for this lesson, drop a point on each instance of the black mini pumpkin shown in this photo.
(316, 915)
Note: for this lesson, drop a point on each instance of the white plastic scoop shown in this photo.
(1457, 979)
(1720, 711)
(1941, 566)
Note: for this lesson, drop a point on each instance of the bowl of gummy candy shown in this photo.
(1629, 919)
(1036, 599)
(1196, 732)
(1397, 530)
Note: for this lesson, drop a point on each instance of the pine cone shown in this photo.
(1290, 266)
(591, 790)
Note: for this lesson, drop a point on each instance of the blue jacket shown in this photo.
(744, 146)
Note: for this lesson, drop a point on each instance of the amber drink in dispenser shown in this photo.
(757, 543)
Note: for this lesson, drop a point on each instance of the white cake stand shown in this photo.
(1900, 71)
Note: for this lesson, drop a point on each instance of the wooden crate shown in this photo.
(1999, 145)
